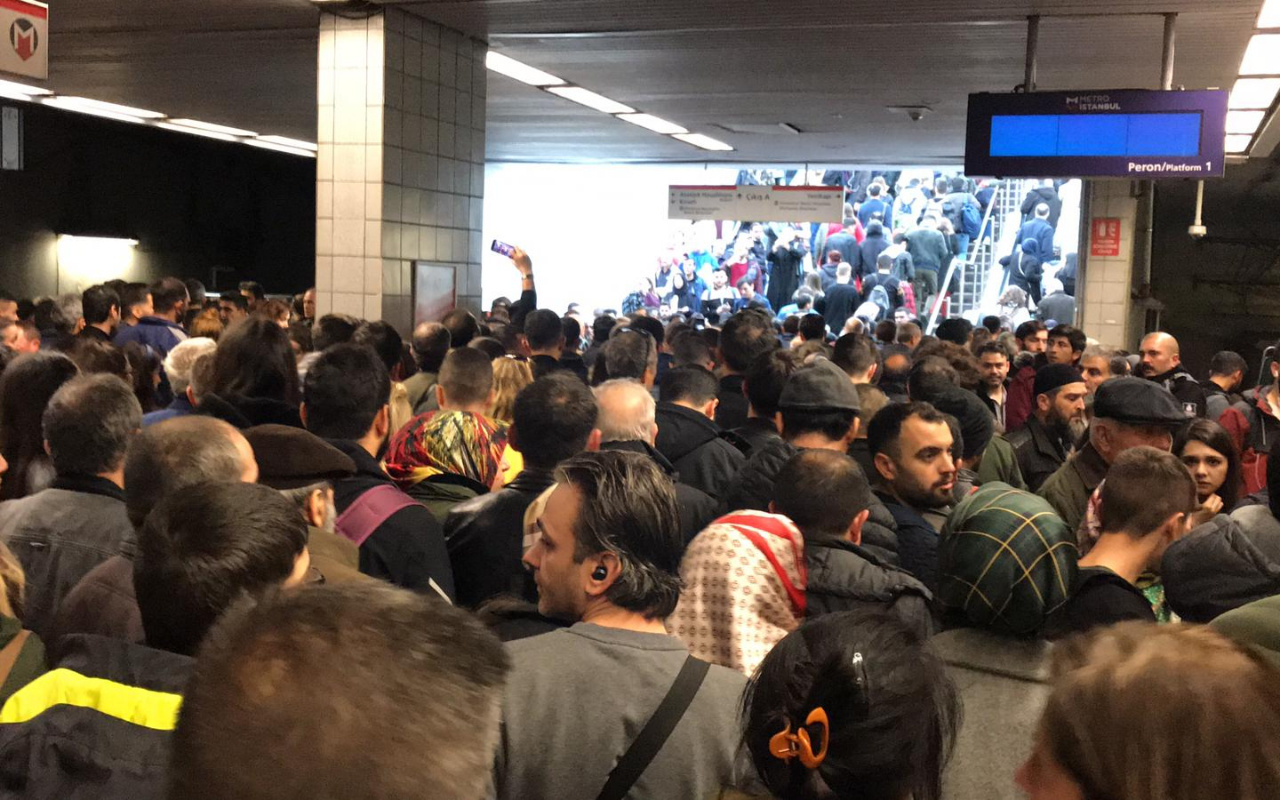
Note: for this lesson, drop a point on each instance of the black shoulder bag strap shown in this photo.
(656, 731)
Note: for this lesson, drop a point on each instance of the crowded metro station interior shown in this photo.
(557, 400)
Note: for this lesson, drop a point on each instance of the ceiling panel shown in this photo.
(829, 69)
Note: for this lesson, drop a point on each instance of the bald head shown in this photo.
(1160, 354)
(430, 343)
(627, 412)
(169, 457)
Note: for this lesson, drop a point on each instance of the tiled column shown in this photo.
(1107, 310)
(400, 170)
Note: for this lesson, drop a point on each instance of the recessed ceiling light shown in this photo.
(1244, 121)
(72, 104)
(1254, 93)
(21, 91)
(1238, 143)
(590, 99)
(212, 128)
(520, 71)
(655, 124)
(703, 141)
(196, 131)
(279, 148)
(287, 142)
(93, 106)
(1270, 16)
(1262, 56)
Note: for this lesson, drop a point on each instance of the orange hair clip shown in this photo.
(787, 745)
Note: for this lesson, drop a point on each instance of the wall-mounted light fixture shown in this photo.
(86, 260)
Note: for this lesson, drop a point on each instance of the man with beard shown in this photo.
(1162, 363)
(993, 357)
(1043, 444)
(911, 449)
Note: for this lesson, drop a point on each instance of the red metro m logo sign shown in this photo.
(25, 48)
(24, 37)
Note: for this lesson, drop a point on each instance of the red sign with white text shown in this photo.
(1105, 237)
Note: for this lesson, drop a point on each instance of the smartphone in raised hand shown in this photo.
(502, 247)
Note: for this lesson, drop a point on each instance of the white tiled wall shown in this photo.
(1108, 279)
(400, 171)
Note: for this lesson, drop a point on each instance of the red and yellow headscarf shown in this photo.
(447, 442)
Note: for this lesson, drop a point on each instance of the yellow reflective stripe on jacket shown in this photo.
(137, 706)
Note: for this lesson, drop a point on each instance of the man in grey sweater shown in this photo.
(607, 558)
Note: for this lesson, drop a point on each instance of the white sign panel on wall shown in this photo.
(756, 203)
(24, 24)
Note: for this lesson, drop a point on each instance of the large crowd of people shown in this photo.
(887, 259)
(252, 551)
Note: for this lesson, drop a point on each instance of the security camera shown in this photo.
(915, 115)
(1197, 231)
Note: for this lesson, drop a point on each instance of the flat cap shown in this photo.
(821, 386)
(1136, 401)
(290, 458)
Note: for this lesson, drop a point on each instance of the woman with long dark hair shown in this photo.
(25, 389)
(1206, 449)
(255, 376)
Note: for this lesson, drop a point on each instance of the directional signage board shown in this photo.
(25, 48)
(1127, 133)
(757, 203)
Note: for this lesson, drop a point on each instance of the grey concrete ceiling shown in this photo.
(829, 69)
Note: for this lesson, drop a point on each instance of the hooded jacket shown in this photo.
(697, 509)
(1223, 564)
(99, 725)
(755, 490)
(697, 449)
(1254, 429)
(844, 577)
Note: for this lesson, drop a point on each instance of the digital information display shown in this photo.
(1129, 133)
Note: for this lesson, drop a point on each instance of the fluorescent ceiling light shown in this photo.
(521, 72)
(1244, 121)
(1270, 16)
(197, 131)
(287, 142)
(655, 124)
(703, 141)
(279, 148)
(21, 91)
(209, 127)
(1238, 143)
(93, 106)
(590, 99)
(70, 104)
(1262, 56)
(1254, 93)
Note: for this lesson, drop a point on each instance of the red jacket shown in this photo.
(1254, 429)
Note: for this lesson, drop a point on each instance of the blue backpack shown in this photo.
(880, 296)
(971, 217)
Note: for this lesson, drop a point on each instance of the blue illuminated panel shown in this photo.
(1096, 135)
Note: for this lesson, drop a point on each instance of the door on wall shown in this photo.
(434, 291)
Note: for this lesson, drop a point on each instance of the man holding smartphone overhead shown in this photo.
(528, 293)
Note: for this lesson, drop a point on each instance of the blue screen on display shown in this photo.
(1052, 135)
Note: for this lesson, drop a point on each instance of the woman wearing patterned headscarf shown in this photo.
(444, 457)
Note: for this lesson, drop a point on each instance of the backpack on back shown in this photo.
(971, 218)
(880, 296)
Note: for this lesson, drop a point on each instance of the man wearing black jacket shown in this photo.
(688, 435)
(345, 401)
(1057, 420)
(827, 496)
(555, 418)
(1162, 364)
(745, 337)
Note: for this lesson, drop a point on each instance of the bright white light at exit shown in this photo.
(93, 259)
(1254, 93)
(655, 124)
(1238, 143)
(520, 71)
(703, 141)
(21, 91)
(1270, 16)
(1244, 121)
(590, 99)
(1262, 56)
